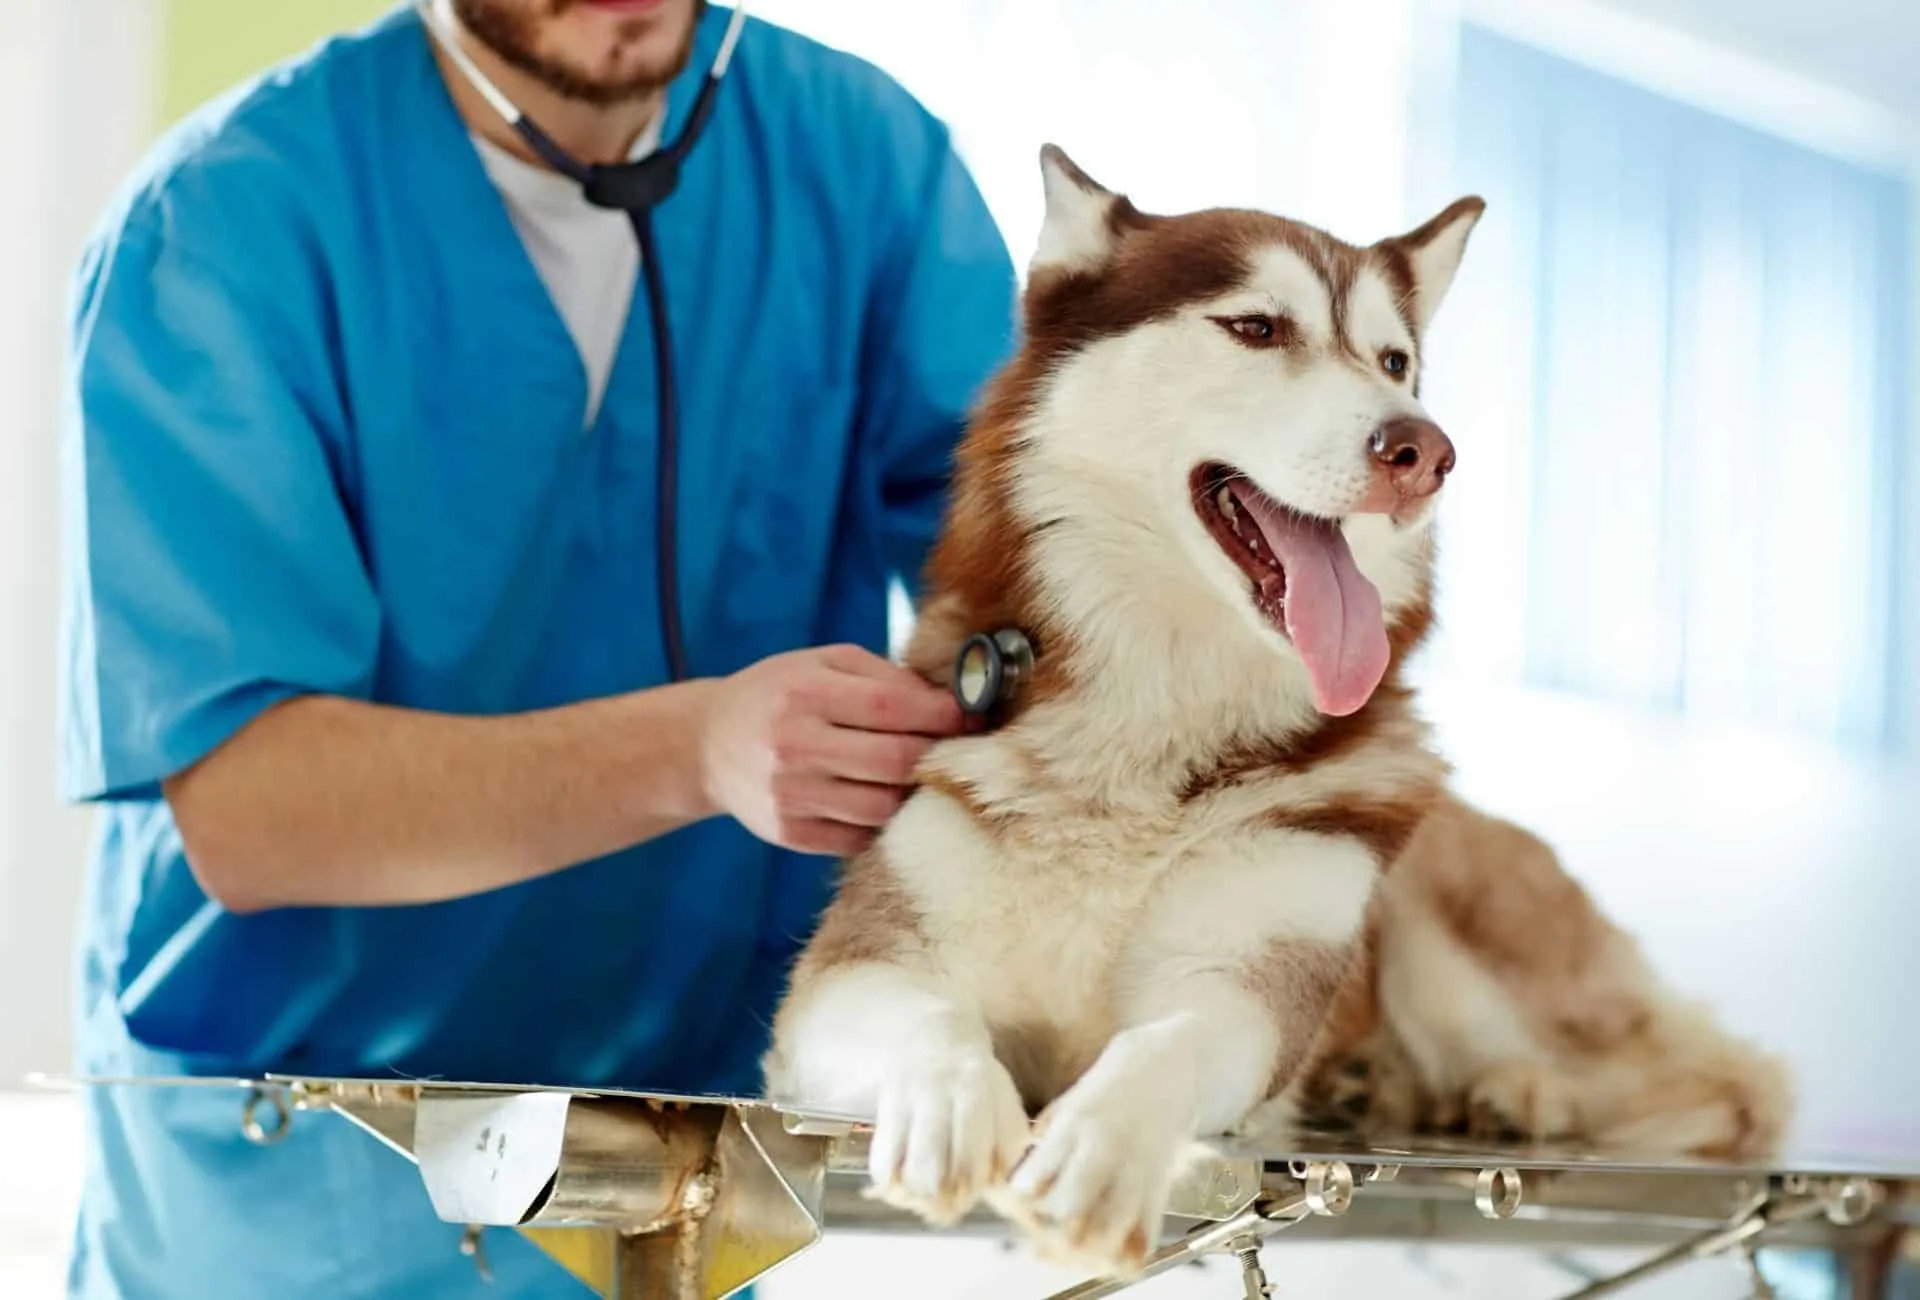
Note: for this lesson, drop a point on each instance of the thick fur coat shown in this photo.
(1144, 906)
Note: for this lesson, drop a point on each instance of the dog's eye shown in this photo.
(1394, 361)
(1257, 330)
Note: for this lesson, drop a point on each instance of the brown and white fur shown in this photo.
(1499, 1002)
(1128, 908)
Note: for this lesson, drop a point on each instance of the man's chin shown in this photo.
(640, 58)
(601, 90)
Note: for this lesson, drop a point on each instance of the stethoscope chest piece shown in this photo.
(990, 669)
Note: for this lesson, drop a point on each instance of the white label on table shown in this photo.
(485, 1159)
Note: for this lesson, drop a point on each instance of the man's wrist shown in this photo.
(668, 768)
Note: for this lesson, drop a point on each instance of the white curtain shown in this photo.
(1678, 368)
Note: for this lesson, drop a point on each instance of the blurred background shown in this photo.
(1680, 611)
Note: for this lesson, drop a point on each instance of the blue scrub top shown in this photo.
(324, 433)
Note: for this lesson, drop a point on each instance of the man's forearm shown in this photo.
(333, 802)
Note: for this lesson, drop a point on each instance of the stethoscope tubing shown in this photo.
(635, 188)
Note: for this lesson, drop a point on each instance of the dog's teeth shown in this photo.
(1225, 500)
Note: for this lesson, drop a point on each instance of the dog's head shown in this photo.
(1239, 395)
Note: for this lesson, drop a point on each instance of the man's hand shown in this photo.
(813, 750)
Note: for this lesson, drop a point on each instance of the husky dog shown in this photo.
(1203, 489)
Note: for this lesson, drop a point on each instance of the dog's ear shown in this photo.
(1433, 253)
(1079, 232)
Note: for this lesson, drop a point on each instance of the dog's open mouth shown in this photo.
(1304, 582)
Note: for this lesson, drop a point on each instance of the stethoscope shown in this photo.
(989, 670)
(635, 188)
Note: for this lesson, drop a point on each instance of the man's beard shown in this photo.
(512, 34)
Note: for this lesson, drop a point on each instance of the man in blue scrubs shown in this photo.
(364, 667)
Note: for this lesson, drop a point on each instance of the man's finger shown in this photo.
(852, 803)
(900, 705)
(857, 662)
(874, 756)
(831, 839)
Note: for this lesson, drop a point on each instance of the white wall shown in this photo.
(74, 90)
(1310, 108)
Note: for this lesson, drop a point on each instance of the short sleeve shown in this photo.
(944, 321)
(210, 568)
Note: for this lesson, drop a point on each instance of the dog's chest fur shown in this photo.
(1033, 887)
(1034, 912)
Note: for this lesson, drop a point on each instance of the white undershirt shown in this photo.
(586, 256)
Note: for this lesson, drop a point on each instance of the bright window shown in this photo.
(1677, 367)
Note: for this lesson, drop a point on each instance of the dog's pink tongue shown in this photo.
(1333, 612)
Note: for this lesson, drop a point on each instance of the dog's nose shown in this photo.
(1414, 456)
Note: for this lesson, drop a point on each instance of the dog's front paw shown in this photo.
(950, 1124)
(1093, 1191)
